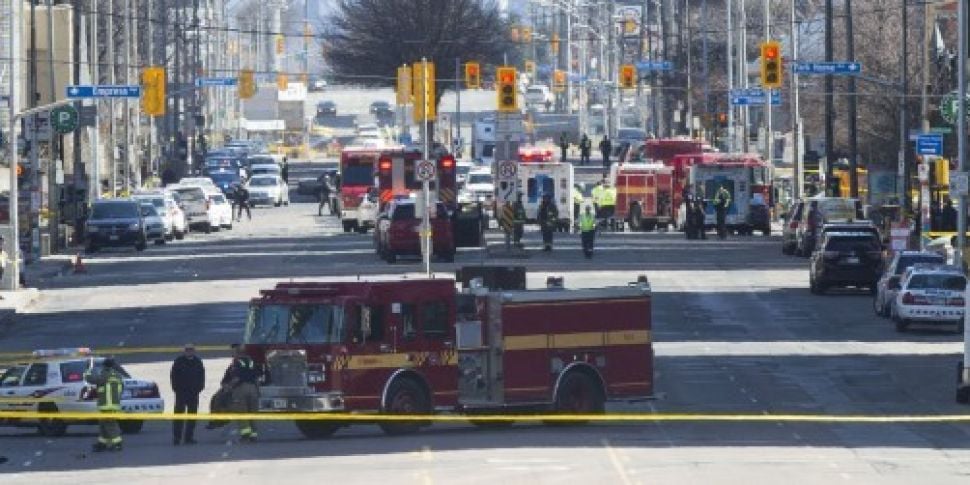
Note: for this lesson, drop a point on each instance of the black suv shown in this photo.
(382, 111)
(116, 222)
(846, 259)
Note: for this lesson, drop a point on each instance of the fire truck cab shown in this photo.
(644, 194)
(424, 346)
(357, 168)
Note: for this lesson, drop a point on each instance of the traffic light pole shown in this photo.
(769, 137)
(963, 387)
(426, 139)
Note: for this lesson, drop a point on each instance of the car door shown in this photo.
(11, 388)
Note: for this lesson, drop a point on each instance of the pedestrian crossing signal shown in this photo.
(559, 80)
(508, 96)
(771, 69)
(247, 84)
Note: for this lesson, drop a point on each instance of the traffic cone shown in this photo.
(79, 264)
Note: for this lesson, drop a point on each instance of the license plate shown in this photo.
(852, 260)
(113, 237)
(279, 403)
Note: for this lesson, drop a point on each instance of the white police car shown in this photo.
(53, 381)
(930, 293)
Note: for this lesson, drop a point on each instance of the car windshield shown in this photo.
(115, 211)
(261, 161)
(190, 194)
(833, 209)
(852, 243)
(905, 262)
(278, 324)
(262, 181)
(534, 91)
(158, 202)
(480, 178)
(12, 376)
(937, 281)
(148, 211)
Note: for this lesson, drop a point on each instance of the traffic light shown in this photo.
(153, 90)
(423, 91)
(473, 76)
(403, 85)
(771, 64)
(508, 95)
(282, 82)
(628, 76)
(526, 34)
(247, 84)
(941, 172)
(530, 68)
(558, 80)
(554, 44)
(722, 120)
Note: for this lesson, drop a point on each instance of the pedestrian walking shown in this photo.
(587, 231)
(242, 199)
(245, 394)
(188, 379)
(548, 219)
(722, 200)
(518, 221)
(563, 146)
(110, 383)
(605, 149)
(585, 146)
(323, 196)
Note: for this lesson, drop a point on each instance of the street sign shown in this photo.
(64, 119)
(88, 116)
(823, 68)
(753, 97)
(655, 65)
(959, 183)
(206, 82)
(507, 170)
(948, 107)
(929, 144)
(103, 91)
(425, 171)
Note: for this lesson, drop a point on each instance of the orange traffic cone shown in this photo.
(79, 264)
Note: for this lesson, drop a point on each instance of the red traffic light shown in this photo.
(384, 164)
(447, 162)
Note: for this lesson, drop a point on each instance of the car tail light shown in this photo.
(957, 301)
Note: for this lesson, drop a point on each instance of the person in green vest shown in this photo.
(722, 200)
(587, 231)
(110, 383)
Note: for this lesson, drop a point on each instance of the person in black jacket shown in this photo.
(188, 380)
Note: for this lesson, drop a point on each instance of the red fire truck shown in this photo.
(357, 168)
(423, 346)
(671, 152)
(644, 194)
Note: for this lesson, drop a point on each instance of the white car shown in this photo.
(53, 381)
(462, 169)
(195, 205)
(219, 209)
(930, 293)
(266, 190)
(168, 209)
(154, 224)
(479, 187)
(197, 182)
(539, 94)
(265, 169)
(367, 212)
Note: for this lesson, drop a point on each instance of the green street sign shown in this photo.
(64, 119)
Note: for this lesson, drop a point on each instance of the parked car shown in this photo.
(888, 284)
(846, 259)
(382, 111)
(479, 187)
(930, 294)
(807, 217)
(168, 209)
(397, 234)
(326, 109)
(219, 209)
(57, 376)
(225, 178)
(266, 190)
(116, 222)
(154, 225)
(195, 205)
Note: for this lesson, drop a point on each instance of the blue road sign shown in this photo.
(103, 91)
(753, 97)
(848, 68)
(929, 144)
(655, 66)
(204, 82)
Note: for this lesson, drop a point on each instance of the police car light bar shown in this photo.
(62, 352)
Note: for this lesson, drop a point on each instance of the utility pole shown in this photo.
(94, 188)
(829, 102)
(730, 74)
(56, 145)
(904, 114)
(78, 176)
(797, 157)
(853, 140)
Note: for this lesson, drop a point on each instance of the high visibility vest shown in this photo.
(109, 385)
(597, 194)
(609, 196)
(577, 196)
(587, 222)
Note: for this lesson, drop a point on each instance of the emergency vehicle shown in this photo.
(424, 346)
(52, 381)
(396, 180)
(644, 194)
(357, 168)
(399, 231)
(747, 178)
(483, 141)
(536, 176)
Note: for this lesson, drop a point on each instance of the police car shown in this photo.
(53, 381)
(930, 293)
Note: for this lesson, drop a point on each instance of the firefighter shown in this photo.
(323, 196)
(548, 217)
(722, 200)
(587, 231)
(245, 394)
(585, 146)
(690, 229)
(605, 149)
(109, 382)
(577, 201)
(518, 220)
(608, 204)
(597, 195)
(563, 145)
(700, 208)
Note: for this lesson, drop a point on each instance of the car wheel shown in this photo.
(347, 226)
(179, 235)
(229, 226)
(131, 426)
(277, 203)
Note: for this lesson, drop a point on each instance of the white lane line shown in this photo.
(802, 348)
(424, 474)
(617, 465)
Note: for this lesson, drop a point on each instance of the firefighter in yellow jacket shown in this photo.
(110, 383)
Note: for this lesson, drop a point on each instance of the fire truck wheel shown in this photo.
(405, 396)
(578, 394)
(315, 430)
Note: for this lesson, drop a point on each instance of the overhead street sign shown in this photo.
(847, 68)
(205, 82)
(929, 144)
(103, 91)
(655, 65)
(425, 171)
(753, 97)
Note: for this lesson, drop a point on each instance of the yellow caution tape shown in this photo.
(614, 417)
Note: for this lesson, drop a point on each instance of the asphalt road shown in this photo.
(735, 327)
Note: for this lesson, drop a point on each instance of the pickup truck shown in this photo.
(538, 94)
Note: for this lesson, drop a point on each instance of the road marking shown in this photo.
(615, 460)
